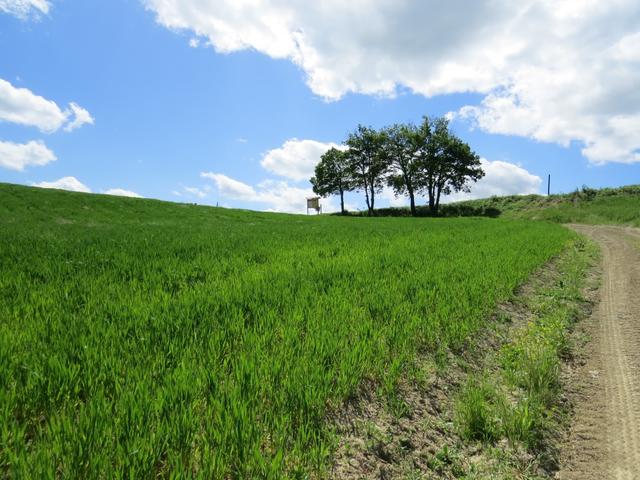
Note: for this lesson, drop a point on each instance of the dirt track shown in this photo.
(604, 442)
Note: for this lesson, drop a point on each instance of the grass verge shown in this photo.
(606, 206)
(517, 402)
(492, 410)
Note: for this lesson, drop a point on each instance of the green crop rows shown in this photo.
(141, 339)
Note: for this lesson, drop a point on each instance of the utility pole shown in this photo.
(549, 185)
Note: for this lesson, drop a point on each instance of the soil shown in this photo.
(604, 388)
(423, 443)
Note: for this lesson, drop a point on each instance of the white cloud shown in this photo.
(18, 156)
(22, 106)
(365, 46)
(555, 71)
(196, 192)
(388, 195)
(65, 183)
(230, 188)
(501, 178)
(122, 193)
(272, 195)
(24, 8)
(80, 117)
(296, 159)
(282, 197)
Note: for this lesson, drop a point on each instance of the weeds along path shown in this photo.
(604, 441)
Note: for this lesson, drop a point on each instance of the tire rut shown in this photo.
(604, 440)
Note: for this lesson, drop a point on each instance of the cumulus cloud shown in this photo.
(80, 117)
(18, 156)
(367, 47)
(65, 183)
(22, 106)
(228, 187)
(122, 193)
(272, 195)
(555, 71)
(279, 196)
(501, 178)
(296, 159)
(196, 192)
(24, 8)
(393, 200)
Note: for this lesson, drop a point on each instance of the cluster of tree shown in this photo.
(414, 160)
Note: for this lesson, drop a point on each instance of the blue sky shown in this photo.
(175, 109)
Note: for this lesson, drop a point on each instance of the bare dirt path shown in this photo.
(604, 441)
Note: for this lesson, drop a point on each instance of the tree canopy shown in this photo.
(368, 161)
(426, 159)
(446, 163)
(332, 175)
(404, 163)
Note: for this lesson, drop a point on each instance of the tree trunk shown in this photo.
(373, 200)
(438, 200)
(342, 201)
(366, 193)
(432, 201)
(412, 199)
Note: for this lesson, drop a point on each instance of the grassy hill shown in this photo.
(616, 206)
(141, 338)
(604, 206)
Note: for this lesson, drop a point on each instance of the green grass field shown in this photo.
(608, 206)
(141, 338)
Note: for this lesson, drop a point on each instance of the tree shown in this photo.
(447, 163)
(403, 142)
(332, 175)
(368, 159)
